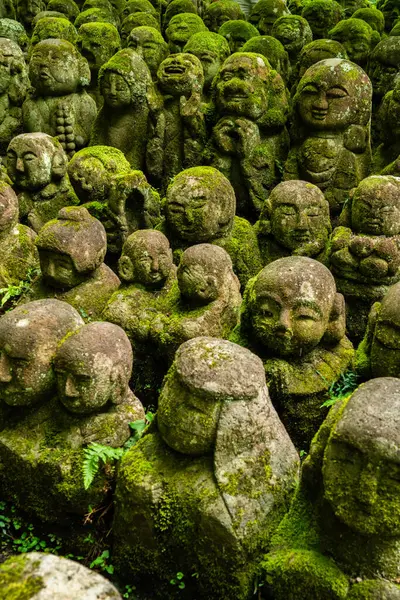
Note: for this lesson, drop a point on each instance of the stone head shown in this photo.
(71, 247)
(218, 13)
(53, 27)
(177, 7)
(180, 74)
(93, 367)
(56, 68)
(357, 37)
(68, 7)
(350, 6)
(146, 259)
(150, 45)
(27, 10)
(200, 205)
(13, 71)
(91, 171)
(98, 42)
(134, 6)
(34, 160)
(375, 206)
(293, 32)
(361, 465)
(293, 307)
(208, 376)
(211, 49)
(322, 16)
(180, 28)
(202, 273)
(297, 215)
(12, 30)
(96, 15)
(273, 51)
(384, 65)
(373, 17)
(9, 208)
(264, 14)
(319, 50)
(332, 95)
(125, 80)
(237, 33)
(29, 336)
(390, 10)
(136, 20)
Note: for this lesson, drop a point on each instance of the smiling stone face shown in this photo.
(179, 74)
(375, 208)
(180, 28)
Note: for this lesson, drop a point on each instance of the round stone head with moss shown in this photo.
(51, 27)
(211, 49)
(383, 67)
(14, 85)
(150, 45)
(273, 51)
(14, 31)
(319, 50)
(237, 33)
(27, 10)
(68, 7)
(95, 15)
(146, 258)
(357, 37)
(322, 16)
(391, 12)
(293, 32)
(264, 14)
(217, 13)
(200, 205)
(134, 6)
(93, 367)
(373, 17)
(180, 74)
(29, 336)
(375, 206)
(136, 20)
(98, 42)
(177, 7)
(180, 28)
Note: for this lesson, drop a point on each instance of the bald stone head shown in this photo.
(375, 207)
(146, 259)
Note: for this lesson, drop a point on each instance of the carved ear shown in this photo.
(337, 322)
(118, 380)
(59, 163)
(84, 72)
(125, 268)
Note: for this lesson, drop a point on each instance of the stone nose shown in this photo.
(70, 388)
(5, 369)
(20, 165)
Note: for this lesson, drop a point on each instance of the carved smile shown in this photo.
(319, 115)
(174, 70)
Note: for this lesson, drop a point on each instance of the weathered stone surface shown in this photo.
(358, 39)
(150, 45)
(322, 16)
(237, 33)
(212, 50)
(273, 51)
(218, 13)
(53, 27)
(384, 66)
(293, 32)
(180, 28)
(316, 51)
(264, 14)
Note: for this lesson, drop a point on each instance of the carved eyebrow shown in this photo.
(308, 304)
(270, 296)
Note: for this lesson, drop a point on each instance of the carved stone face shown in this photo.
(300, 217)
(264, 14)
(54, 68)
(211, 49)
(376, 206)
(385, 346)
(241, 87)
(218, 13)
(146, 259)
(181, 28)
(28, 9)
(384, 65)
(200, 273)
(179, 74)
(361, 469)
(293, 32)
(356, 37)
(6, 59)
(115, 90)
(150, 45)
(332, 95)
(89, 178)
(196, 208)
(322, 15)
(8, 208)
(58, 270)
(98, 42)
(293, 299)
(30, 161)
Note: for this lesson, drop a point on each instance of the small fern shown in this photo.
(345, 385)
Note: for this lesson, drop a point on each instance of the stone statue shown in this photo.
(390, 11)
(94, 404)
(294, 33)
(59, 106)
(96, 15)
(180, 28)
(37, 166)
(264, 14)
(212, 50)
(250, 138)
(177, 7)
(331, 131)
(134, 6)
(222, 463)
(322, 16)
(217, 13)
(384, 67)
(373, 17)
(129, 96)
(200, 208)
(15, 31)
(71, 252)
(340, 539)
(294, 221)
(237, 33)
(387, 128)
(136, 20)
(316, 51)
(18, 253)
(177, 133)
(26, 11)
(68, 7)
(365, 254)
(53, 27)
(14, 83)
(294, 319)
(273, 51)
(97, 42)
(358, 39)
(150, 45)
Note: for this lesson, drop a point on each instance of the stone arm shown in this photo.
(85, 111)
(35, 115)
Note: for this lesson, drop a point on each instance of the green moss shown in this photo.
(52, 27)
(15, 584)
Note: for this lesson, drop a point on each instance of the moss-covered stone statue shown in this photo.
(250, 139)
(237, 33)
(18, 253)
(294, 33)
(27, 10)
(358, 39)
(373, 17)
(68, 7)
(59, 105)
(391, 12)
(43, 451)
(37, 166)
(331, 131)
(340, 539)
(200, 208)
(53, 27)
(294, 221)
(212, 50)
(385, 157)
(181, 28)
(14, 84)
(322, 16)
(350, 6)
(150, 45)
(294, 319)
(273, 51)
(137, 20)
(129, 96)
(15, 31)
(177, 7)
(217, 13)
(264, 14)
(134, 6)
(205, 490)
(316, 51)
(71, 252)
(96, 15)
(365, 251)
(149, 287)
(97, 42)
(48, 577)
(384, 66)
(178, 131)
